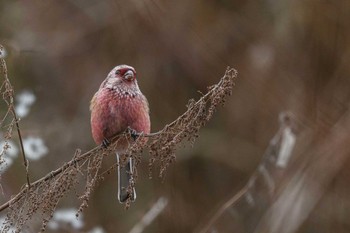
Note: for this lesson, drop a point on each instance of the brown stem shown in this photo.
(25, 161)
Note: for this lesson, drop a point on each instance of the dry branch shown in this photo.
(8, 97)
(43, 195)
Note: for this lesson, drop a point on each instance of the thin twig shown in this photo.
(25, 161)
(10, 104)
(224, 207)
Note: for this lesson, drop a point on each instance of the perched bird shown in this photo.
(115, 107)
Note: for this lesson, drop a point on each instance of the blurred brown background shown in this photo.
(290, 55)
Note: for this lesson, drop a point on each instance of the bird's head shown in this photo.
(120, 75)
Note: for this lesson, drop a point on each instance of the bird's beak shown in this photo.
(129, 75)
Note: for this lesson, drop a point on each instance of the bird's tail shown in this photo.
(124, 179)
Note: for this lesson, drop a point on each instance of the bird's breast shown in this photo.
(113, 112)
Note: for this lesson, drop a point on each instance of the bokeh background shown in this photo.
(291, 56)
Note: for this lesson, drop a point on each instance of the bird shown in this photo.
(117, 106)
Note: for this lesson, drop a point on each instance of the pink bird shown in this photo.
(117, 105)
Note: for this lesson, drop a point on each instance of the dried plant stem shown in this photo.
(12, 109)
(203, 98)
(49, 176)
(25, 161)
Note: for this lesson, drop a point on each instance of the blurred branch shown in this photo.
(304, 189)
(261, 187)
(279, 197)
(233, 200)
(45, 193)
(149, 217)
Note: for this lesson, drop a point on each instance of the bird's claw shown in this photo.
(133, 133)
(105, 143)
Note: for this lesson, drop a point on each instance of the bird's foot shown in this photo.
(133, 133)
(105, 143)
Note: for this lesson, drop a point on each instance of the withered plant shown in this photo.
(42, 196)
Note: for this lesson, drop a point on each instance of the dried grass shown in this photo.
(43, 195)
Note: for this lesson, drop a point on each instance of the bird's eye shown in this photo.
(117, 72)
